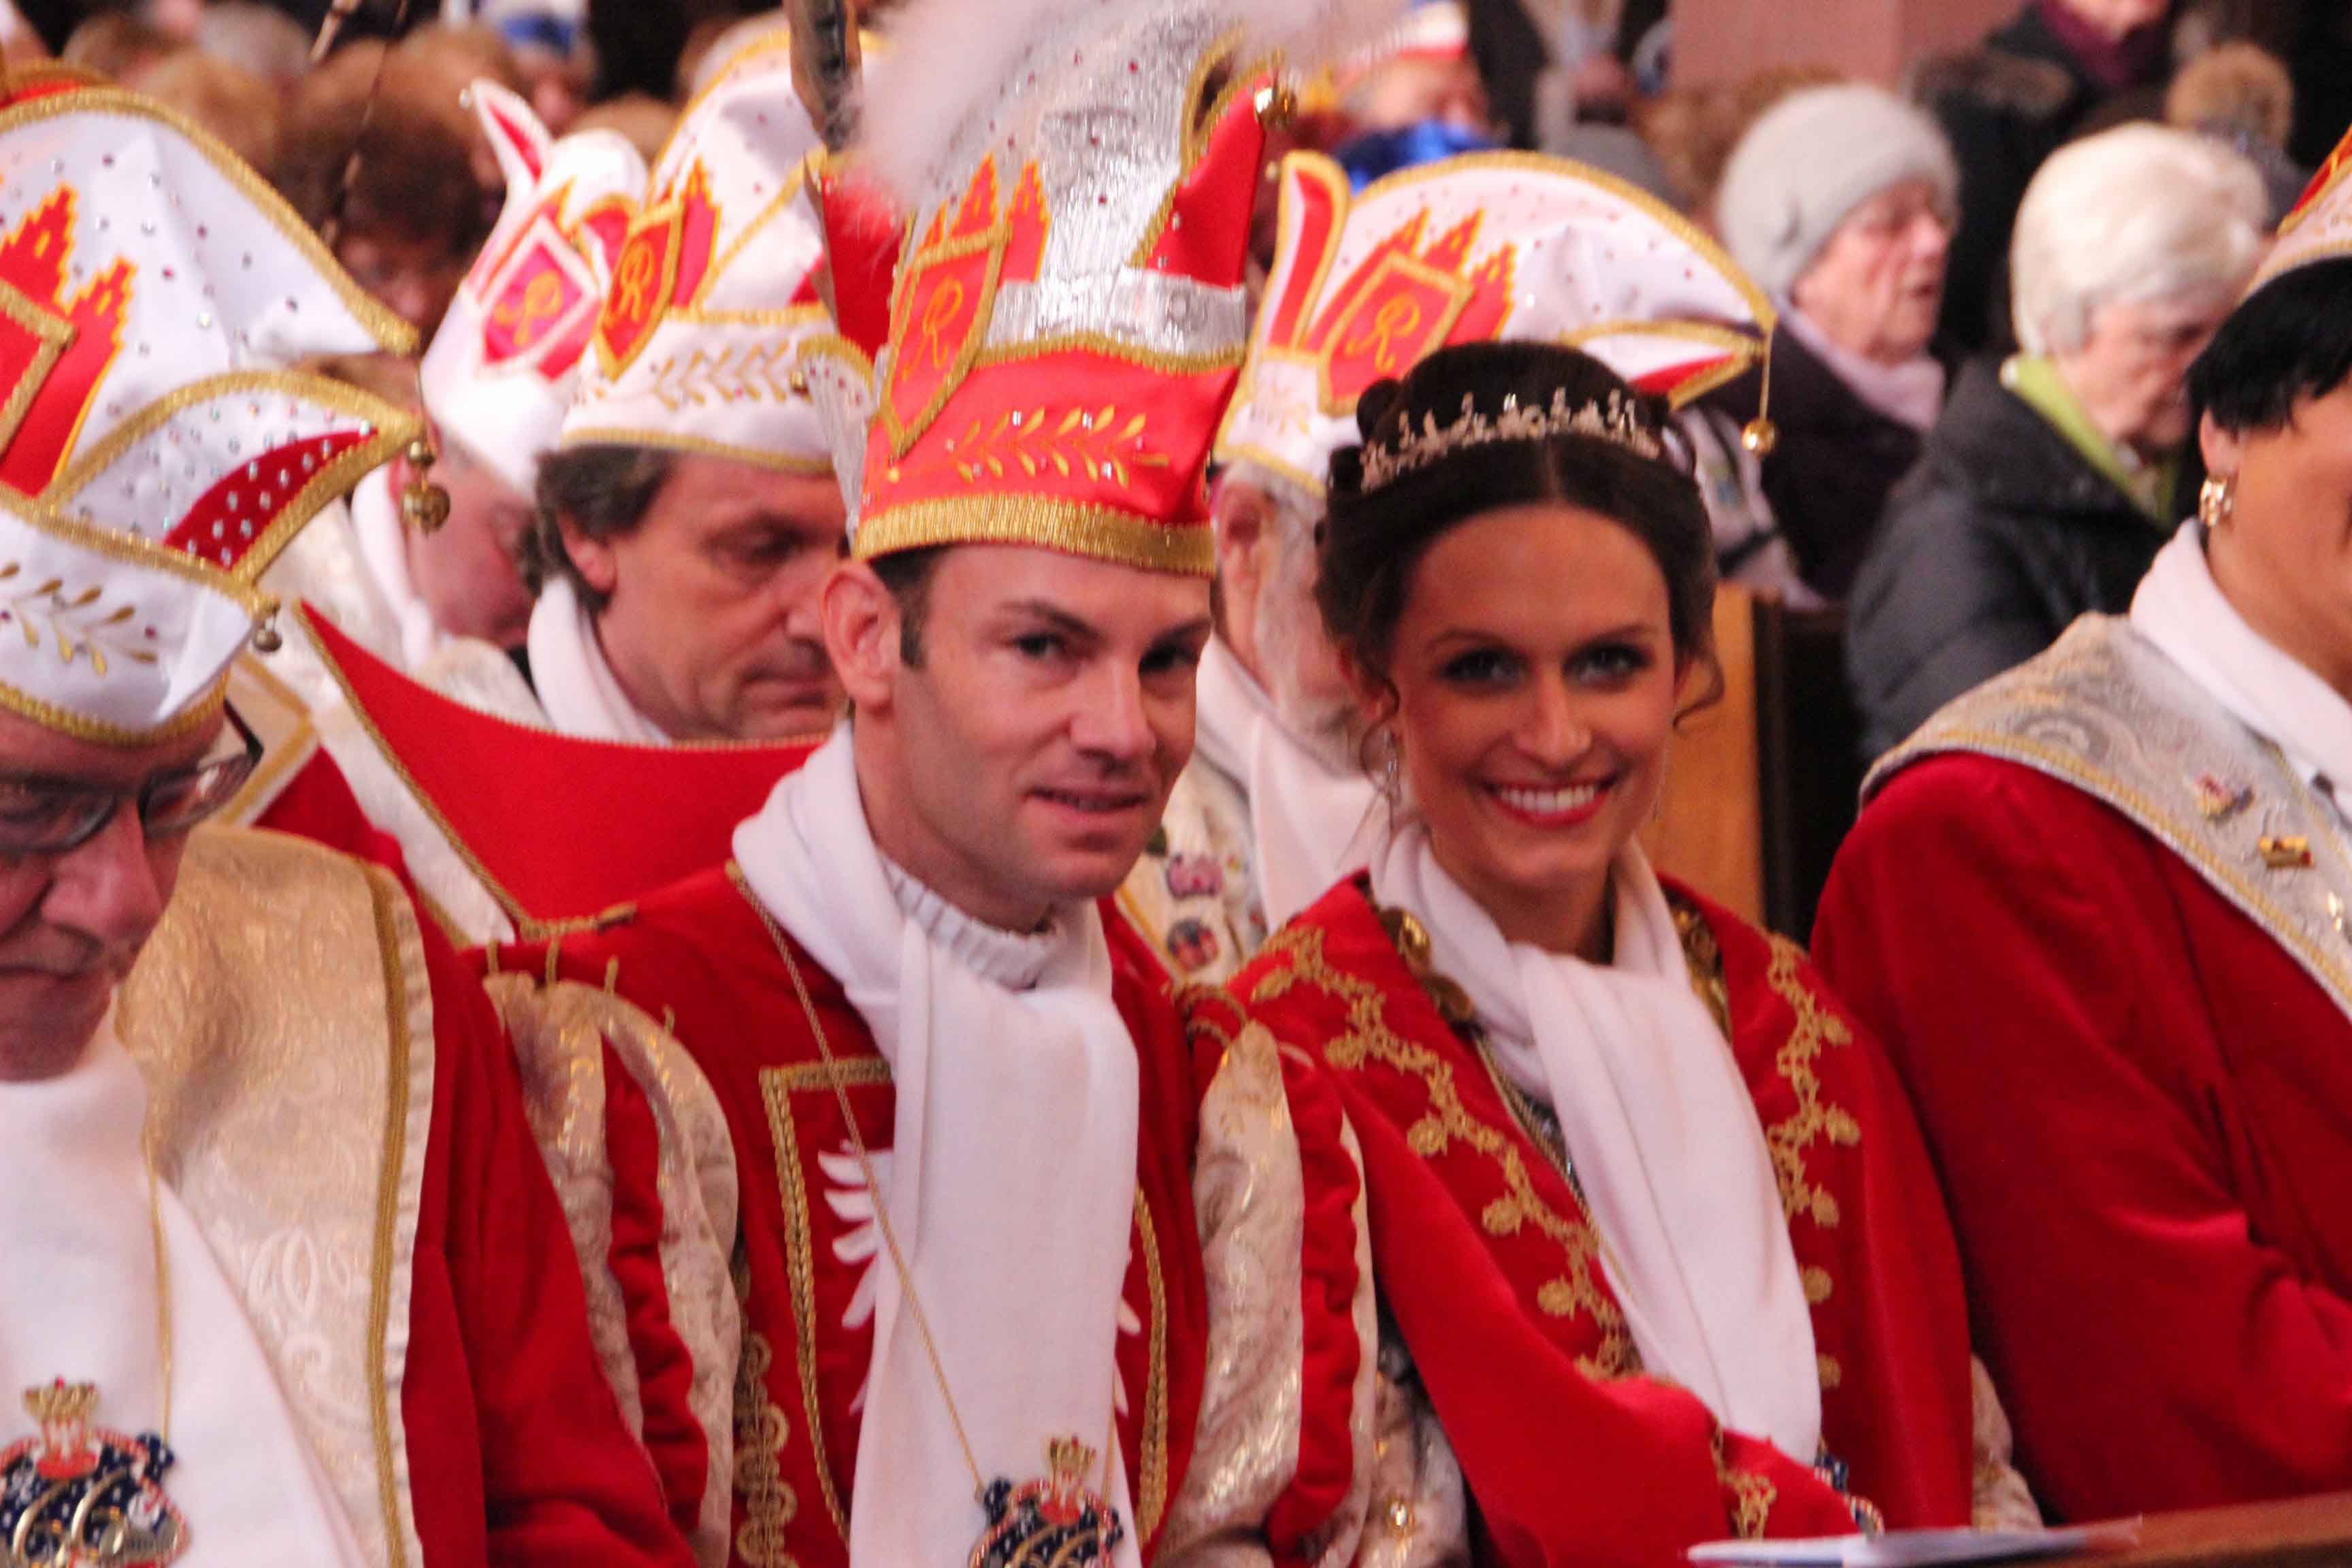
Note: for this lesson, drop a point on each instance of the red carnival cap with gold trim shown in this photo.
(2320, 226)
(1485, 247)
(502, 368)
(1068, 316)
(714, 290)
(155, 452)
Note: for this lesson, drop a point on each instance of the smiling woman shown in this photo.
(1529, 1027)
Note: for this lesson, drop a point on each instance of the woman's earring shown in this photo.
(2217, 503)
(1391, 765)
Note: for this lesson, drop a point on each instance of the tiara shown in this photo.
(1612, 419)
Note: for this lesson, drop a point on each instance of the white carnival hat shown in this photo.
(506, 360)
(715, 289)
(156, 449)
(1485, 246)
(2319, 227)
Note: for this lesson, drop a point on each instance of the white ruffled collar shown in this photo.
(1015, 959)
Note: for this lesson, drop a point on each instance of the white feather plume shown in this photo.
(949, 61)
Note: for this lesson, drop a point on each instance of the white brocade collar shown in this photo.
(2182, 611)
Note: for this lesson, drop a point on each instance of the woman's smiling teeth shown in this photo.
(1562, 802)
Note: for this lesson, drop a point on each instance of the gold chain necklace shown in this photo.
(1069, 1461)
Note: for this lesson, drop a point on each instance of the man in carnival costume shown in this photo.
(408, 578)
(1280, 800)
(286, 1282)
(690, 514)
(1019, 1279)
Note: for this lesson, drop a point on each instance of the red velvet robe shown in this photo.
(698, 956)
(1490, 1270)
(2141, 1105)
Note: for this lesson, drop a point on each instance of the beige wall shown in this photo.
(1723, 40)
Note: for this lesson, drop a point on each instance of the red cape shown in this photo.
(559, 829)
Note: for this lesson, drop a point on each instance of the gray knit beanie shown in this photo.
(1808, 162)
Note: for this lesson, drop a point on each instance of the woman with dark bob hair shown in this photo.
(2100, 911)
(1653, 1291)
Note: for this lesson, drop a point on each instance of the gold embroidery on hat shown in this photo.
(1082, 439)
(1104, 533)
(44, 612)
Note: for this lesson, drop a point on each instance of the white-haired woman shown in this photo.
(2046, 489)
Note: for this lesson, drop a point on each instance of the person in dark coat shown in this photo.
(1839, 201)
(2007, 105)
(2049, 484)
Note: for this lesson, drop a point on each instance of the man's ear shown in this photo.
(592, 558)
(861, 635)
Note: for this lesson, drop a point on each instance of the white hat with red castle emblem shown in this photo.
(505, 362)
(156, 452)
(715, 288)
(1069, 313)
(1488, 246)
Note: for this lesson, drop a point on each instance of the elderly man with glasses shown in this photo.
(286, 1281)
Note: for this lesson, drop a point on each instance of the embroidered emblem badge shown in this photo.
(2220, 800)
(1052, 1522)
(78, 1496)
(1192, 945)
(1194, 877)
(2290, 852)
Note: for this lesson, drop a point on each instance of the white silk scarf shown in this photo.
(1011, 1178)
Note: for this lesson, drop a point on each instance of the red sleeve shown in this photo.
(562, 1480)
(2026, 955)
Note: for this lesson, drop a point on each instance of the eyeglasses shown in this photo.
(57, 816)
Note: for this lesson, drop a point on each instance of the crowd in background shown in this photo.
(1977, 381)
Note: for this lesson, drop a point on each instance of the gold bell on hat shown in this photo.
(265, 631)
(423, 505)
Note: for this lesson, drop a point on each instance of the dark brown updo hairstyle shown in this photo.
(1375, 540)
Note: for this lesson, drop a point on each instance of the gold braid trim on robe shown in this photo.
(559, 1034)
(283, 1019)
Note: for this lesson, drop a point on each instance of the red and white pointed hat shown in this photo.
(1068, 315)
(156, 449)
(715, 289)
(504, 364)
(1485, 247)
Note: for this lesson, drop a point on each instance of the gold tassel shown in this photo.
(1761, 437)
